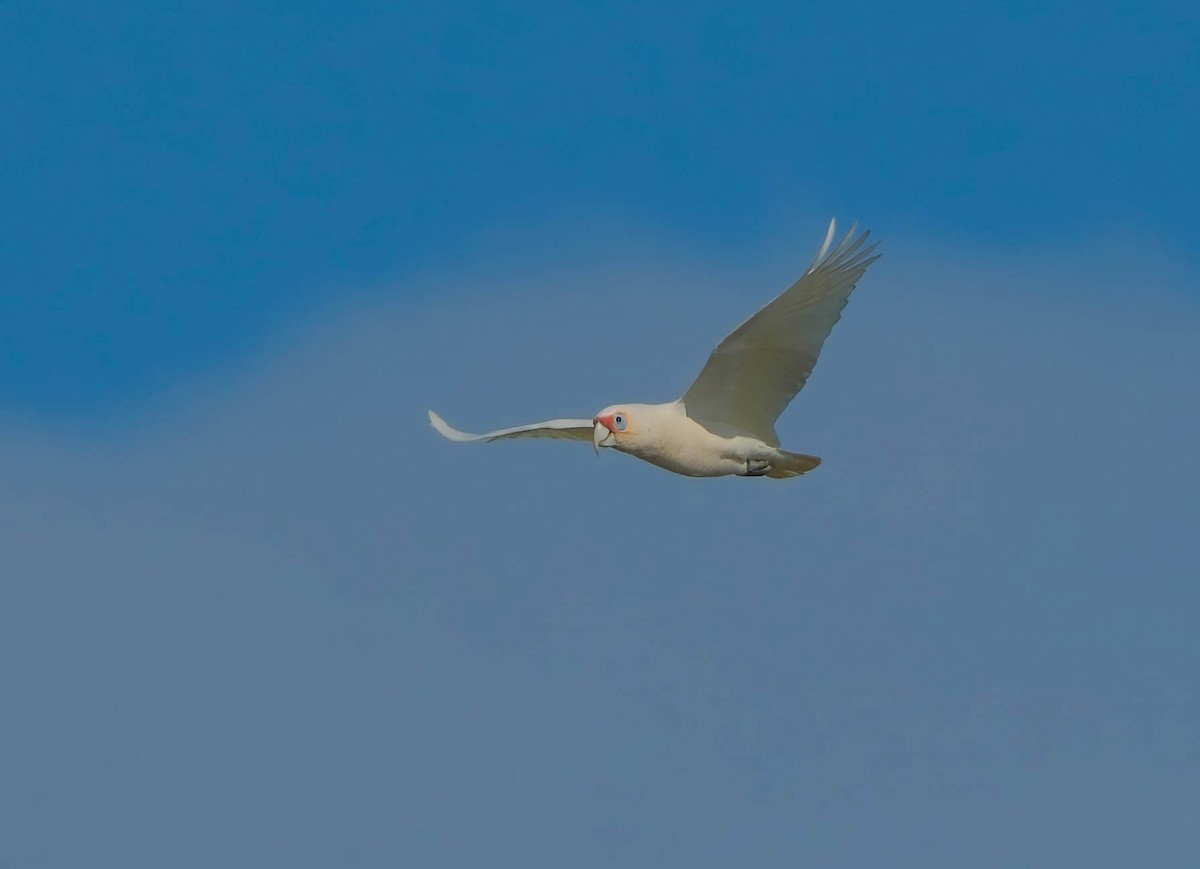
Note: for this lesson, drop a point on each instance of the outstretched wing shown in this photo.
(563, 429)
(753, 374)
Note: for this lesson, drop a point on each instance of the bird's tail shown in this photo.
(785, 464)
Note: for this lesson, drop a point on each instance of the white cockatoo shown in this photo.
(725, 423)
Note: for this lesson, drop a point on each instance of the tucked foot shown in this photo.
(756, 468)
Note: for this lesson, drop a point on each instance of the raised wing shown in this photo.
(563, 429)
(757, 370)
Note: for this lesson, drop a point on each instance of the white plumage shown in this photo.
(725, 422)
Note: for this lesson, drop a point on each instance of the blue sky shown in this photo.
(179, 181)
(254, 611)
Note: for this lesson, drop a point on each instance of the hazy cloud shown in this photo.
(280, 621)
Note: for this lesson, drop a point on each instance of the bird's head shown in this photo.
(614, 426)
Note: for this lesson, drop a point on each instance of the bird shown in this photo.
(724, 424)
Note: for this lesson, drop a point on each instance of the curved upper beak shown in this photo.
(601, 431)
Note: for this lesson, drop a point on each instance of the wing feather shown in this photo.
(562, 429)
(757, 370)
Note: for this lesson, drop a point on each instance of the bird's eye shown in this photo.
(620, 422)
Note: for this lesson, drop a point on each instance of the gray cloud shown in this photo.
(278, 620)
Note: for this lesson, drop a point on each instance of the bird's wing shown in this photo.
(563, 429)
(753, 374)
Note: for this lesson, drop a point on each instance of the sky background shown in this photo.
(253, 611)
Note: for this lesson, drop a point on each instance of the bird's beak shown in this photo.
(600, 433)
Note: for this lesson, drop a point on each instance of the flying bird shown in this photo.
(725, 423)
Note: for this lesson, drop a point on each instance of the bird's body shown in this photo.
(664, 435)
(725, 423)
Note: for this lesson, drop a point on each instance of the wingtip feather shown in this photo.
(852, 252)
(825, 244)
(445, 429)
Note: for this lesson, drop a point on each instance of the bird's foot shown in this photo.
(756, 468)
